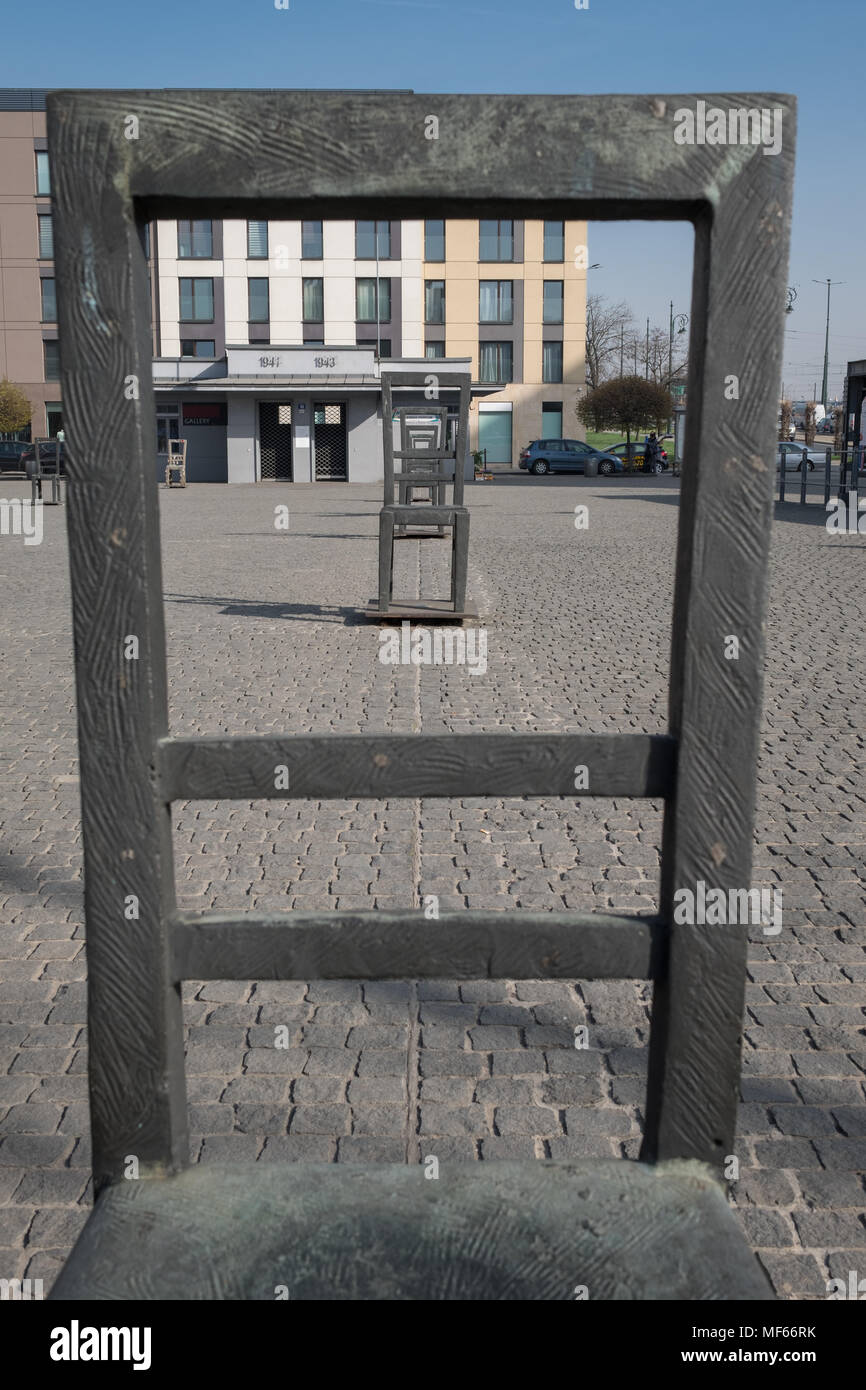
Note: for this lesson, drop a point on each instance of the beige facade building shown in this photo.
(511, 296)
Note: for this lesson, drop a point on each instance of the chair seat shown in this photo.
(495, 1230)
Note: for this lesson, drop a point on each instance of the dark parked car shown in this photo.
(565, 456)
(11, 451)
(46, 457)
(636, 452)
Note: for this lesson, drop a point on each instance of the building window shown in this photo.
(365, 301)
(384, 347)
(314, 300)
(43, 174)
(257, 241)
(552, 301)
(496, 301)
(196, 300)
(554, 241)
(311, 241)
(49, 300)
(195, 240)
(258, 300)
(197, 347)
(51, 351)
(551, 420)
(551, 362)
(496, 361)
(496, 241)
(372, 239)
(434, 301)
(54, 413)
(46, 237)
(432, 349)
(434, 239)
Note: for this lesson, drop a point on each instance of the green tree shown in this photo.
(15, 408)
(627, 404)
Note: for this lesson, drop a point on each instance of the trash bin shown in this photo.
(591, 468)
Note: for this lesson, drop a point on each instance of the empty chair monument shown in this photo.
(655, 1228)
(425, 452)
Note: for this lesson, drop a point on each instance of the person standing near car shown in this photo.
(651, 452)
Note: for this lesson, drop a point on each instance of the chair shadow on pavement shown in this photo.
(248, 608)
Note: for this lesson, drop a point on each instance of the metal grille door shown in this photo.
(329, 437)
(275, 440)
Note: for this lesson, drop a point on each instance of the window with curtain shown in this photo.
(46, 237)
(259, 300)
(551, 362)
(195, 239)
(496, 301)
(311, 241)
(372, 239)
(432, 349)
(496, 361)
(196, 300)
(314, 299)
(434, 301)
(43, 174)
(365, 301)
(496, 240)
(554, 241)
(257, 240)
(49, 300)
(434, 239)
(552, 301)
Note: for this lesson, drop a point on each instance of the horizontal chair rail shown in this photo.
(471, 945)
(356, 766)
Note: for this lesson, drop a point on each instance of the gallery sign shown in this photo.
(206, 413)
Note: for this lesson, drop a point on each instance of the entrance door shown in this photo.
(275, 441)
(166, 429)
(329, 442)
(494, 435)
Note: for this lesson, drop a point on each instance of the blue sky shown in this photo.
(663, 46)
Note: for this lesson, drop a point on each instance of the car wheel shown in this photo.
(657, 467)
(605, 467)
(540, 467)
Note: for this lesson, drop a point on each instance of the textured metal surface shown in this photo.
(346, 155)
(471, 945)
(392, 765)
(529, 1231)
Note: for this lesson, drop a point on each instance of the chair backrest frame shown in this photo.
(122, 158)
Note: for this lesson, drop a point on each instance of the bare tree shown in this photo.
(608, 327)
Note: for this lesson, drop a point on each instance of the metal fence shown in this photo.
(824, 482)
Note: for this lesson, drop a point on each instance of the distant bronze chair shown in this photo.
(175, 468)
(657, 1228)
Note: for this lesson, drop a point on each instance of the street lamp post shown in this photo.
(680, 323)
(826, 338)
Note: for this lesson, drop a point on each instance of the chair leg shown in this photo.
(459, 560)
(386, 560)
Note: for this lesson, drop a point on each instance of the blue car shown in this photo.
(565, 456)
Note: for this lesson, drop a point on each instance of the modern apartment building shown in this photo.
(269, 336)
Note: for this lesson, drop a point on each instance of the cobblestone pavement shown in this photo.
(264, 635)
